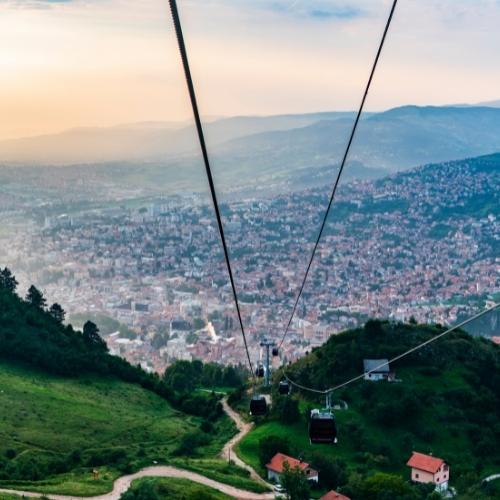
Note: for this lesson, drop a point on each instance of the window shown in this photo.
(437, 479)
(416, 475)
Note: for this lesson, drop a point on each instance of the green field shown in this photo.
(48, 421)
(221, 471)
(167, 489)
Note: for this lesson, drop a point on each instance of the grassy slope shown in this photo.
(221, 471)
(42, 414)
(181, 489)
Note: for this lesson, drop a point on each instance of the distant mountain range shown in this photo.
(147, 141)
(396, 139)
(392, 140)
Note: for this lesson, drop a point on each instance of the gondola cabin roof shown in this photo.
(322, 414)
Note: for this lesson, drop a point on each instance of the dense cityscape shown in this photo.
(395, 248)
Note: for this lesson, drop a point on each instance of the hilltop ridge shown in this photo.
(444, 402)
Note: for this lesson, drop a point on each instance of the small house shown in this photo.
(333, 495)
(429, 469)
(277, 465)
(377, 369)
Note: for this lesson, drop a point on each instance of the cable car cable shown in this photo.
(396, 358)
(201, 137)
(341, 168)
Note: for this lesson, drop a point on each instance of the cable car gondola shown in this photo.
(284, 387)
(276, 352)
(322, 427)
(259, 371)
(258, 405)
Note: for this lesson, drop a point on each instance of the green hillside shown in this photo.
(68, 407)
(446, 402)
(55, 430)
(166, 489)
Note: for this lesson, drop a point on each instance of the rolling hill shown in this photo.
(446, 403)
(148, 141)
(68, 407)
(395, 139)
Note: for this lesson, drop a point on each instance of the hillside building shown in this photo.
(377, 369)
(277, 464)
(429, 469)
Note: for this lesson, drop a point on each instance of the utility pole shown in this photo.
(268, 344)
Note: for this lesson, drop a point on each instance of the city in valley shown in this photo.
(150, 270)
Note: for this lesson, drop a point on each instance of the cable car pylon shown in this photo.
(267, 344)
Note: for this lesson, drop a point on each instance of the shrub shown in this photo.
(270, 445)
(190, 442)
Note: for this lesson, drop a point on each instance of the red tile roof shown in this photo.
(333, 495)
(496, 340)
(278, 461)
(426, 463)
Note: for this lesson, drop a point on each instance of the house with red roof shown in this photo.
(429, 469)
(277, 465)
(333, 495)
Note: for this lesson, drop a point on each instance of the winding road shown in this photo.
(122, 484)
(228, 452)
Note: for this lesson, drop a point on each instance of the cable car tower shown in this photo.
(268, 344)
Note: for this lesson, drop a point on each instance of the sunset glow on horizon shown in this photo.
(99, 63)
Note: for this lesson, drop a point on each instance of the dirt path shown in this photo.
(122, 484)
(491, 478)
(228, 451)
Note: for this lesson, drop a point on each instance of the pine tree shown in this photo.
(35, 298)
(91, 336)
(57, 312)
(7, 280)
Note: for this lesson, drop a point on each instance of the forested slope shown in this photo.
(445, 402)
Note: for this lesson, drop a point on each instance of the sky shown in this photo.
(72, 63)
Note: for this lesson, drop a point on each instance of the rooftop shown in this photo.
(333, 495)
(424, 462)
(370, 365)
(277, 463)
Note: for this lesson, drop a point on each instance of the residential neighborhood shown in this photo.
(158, 263)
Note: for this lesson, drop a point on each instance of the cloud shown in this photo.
(33, 4)
(318, 10)
(315, 9)
(339, 13)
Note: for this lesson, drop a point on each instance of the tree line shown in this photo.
(33, 332)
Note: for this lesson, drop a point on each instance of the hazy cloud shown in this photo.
(315, 9)
(34, 4)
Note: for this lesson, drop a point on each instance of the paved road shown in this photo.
(122, 484)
